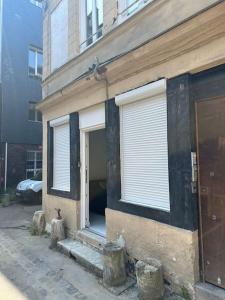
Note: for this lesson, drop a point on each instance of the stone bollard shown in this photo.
(114, 272)
(150, 280)
(57, 231)
(39, 221)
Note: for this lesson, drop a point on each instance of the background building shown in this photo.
(20, 79)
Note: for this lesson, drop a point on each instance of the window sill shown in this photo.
(85, 48)
(56, 189)
(60, 193)
(119, 22)
(82, 51)
(39, 122)
(144, 205)
(35, 77)
(125, 17)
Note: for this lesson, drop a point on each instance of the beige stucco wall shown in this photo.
(69, 210)
(125, 75)
(196, 45)
(158, 16)
(176, 248)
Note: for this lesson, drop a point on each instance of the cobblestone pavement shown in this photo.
(29, 270)
(37, 272)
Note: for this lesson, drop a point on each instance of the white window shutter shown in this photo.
(144, 152)
(59, 35)
(61, 156)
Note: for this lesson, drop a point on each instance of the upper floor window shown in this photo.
(34, 114)
(59, 35)
(33, 163)
(37, 3)
(128, 7)
(91, 21)
(35, 62)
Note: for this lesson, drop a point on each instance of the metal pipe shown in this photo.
(6, 166)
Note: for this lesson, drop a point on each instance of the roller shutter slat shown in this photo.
(144, 153)
(61, 166)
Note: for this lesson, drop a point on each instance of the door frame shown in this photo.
(201, 252)
(84, 158)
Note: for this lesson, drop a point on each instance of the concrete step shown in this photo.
(89, 258)
(89, 238)
(206, 291)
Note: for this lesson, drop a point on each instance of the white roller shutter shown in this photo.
(93, 116)
(144, 152)
(59, 35)
(61, 156)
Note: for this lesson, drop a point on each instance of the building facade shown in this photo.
(20, 77)
(133, 137)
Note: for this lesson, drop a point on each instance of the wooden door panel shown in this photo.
(211, 158)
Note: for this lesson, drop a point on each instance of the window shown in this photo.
(144, 148)
(34, 114)
(59, 35)
(35, 62)
(37, 3)
(128, 7)
(34, 163)
(91, 21)
(61, 154)
(132, 5)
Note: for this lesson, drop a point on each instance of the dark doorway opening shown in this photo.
(97, 181)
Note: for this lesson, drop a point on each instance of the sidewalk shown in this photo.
(30, 270)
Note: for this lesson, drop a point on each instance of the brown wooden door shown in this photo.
(211, 158)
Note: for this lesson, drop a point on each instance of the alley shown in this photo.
(30, 270)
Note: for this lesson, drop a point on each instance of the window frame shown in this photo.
(35, 169)
(36, 51)
(36, 112)
(54, 124)
(83, 25)
(180, 114)
(149, 92)
(74, 193)
(53, 14)
(123, 9)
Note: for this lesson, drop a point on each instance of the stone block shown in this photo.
(150, 280)
(114, 272)
(39, 221)
(57, 231)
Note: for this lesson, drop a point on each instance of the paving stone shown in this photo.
(84, 255)
(40, 273)
(206, 291)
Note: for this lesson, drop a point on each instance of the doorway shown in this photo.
(97, 181)
(95, 192)
(210, 118)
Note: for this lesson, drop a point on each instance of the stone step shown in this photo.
(206, 291)
(89, 258)
(89, 238)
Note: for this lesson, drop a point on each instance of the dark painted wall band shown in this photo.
(74, 160)
(182, 92)
(182, 201)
